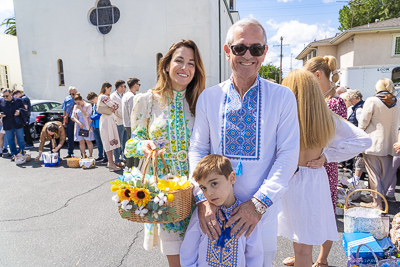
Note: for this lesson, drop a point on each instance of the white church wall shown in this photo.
(57, 29)
(10, 66)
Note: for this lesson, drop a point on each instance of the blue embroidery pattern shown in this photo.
(227, 255)
(199, 198)
(241, 129)
(263, 198)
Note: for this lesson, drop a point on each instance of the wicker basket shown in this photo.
(91, 165)
(73, 162)
(182, 198)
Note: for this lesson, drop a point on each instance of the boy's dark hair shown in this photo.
(119, 83)
(91, 95)
(212, 164)
(132, 81)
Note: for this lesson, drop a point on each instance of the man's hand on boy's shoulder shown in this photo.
(208, 220)
(246, 217)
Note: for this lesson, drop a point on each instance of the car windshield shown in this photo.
(56, 107)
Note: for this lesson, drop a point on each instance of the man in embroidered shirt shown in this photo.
(120, 89)
(257, 130)
(127, 105)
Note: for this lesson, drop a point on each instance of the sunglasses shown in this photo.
(241, 49)
(6, 95)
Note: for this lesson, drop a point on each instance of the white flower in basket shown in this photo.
(116, 200)
(125, 205)
(160, 199)
(141, 211)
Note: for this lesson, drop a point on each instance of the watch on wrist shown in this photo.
(260, 208)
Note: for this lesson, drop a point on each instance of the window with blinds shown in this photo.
(4, 77)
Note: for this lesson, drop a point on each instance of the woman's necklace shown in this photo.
(327, 92)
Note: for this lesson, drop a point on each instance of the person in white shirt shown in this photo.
(254, 123)
(116, 96)
(127, 105)
(216, 178)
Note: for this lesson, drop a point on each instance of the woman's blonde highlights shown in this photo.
(317, 126)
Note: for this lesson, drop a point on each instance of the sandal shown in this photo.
(113, 168)
(289, 261)
(320, 264)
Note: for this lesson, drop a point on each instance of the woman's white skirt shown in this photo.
(307, 215)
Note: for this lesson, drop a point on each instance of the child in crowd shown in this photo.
(215, 177)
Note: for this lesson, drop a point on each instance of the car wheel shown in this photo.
(33, 132)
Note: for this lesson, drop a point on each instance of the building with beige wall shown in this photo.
(10, 66)
(365, 54)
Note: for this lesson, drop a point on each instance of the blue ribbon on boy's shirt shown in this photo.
(226, 232)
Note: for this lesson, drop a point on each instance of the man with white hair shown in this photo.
(254, 123)
(67, 107)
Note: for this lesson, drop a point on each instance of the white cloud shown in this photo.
(296, 34)
(285, 1)
(328, 1)
(7, 6)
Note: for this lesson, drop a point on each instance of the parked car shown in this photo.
(54, 114)
(39, 106)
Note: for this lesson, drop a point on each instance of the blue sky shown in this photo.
(299, 22)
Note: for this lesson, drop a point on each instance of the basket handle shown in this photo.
(154, 155)
(146, 164)
(373, 253)
(164, 163)
(155, 164)
(370, 190)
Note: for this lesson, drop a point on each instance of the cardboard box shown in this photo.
(351, 241)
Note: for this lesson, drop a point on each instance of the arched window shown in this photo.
(61, 81)
(158, 58)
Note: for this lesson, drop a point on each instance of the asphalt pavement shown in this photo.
(62, 216)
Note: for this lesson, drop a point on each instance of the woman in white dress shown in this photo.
(307, 217)
(108, 127)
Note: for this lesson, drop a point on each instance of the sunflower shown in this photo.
(124, 193)
(140, 196)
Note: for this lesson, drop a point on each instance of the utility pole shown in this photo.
(291, 55)
(280, 71)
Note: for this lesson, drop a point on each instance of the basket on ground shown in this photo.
(87, 163)
(140, 200)
(365, 220)
(73, 162)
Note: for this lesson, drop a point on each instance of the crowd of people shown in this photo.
(263, 157)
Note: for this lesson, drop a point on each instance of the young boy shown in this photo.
(215, 177)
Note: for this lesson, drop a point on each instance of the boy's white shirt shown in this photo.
(194, 248)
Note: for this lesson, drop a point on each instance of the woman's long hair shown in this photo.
(103, 88)
(317, 126)
(327, 65)
(164, 88)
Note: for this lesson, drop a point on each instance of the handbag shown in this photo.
(67, 117)
(103, 109)
(83, 133)
(364, 220)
